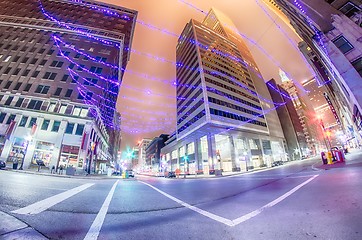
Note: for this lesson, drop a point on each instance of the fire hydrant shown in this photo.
(329, 157)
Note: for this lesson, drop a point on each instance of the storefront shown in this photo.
(2, 143)
(43, 153)
(69, 157)
(18, 149)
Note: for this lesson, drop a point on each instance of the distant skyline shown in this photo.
(147, 100)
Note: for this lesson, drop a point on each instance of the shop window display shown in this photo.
(43, 153)
(69, 157)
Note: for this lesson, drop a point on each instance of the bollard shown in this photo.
(329, 157)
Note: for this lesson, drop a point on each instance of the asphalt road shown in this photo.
(295, 201)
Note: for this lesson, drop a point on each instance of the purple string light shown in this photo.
(73, 28)
(85, 69)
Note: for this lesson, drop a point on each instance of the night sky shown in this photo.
(147, 100)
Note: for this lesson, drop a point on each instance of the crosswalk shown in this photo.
(43, 205)
(96, 226)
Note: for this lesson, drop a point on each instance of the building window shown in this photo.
(80, 128)
(26, 72)
(27, 87)
(349, 9)
(2, 117)
(42, 89)
(7, 59)
(32, 122)
(64, 78)
(11, 118)
(35, 104)
(69, 128)
(62, 109)
(56, 126)
(7, 85)
(17, 86)
(43, 62)
(58, 91)
(358, 65)
(35, 74)
(57, 64)
(8, 101)
(16, 59)
(80, 96)
(16, 71)
(23, 121)
(343, 45)
(96, 70)
(45, 125)
(33, 61)
(49, 76)
(68, 93)
(7, 70)
(19, 102)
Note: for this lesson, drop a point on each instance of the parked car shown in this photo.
(170, 175)
(277, 163)
(130, 173)
(2, 164)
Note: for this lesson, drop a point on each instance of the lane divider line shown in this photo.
(94, 230)
(43, 205)
(239, 220)
(193, 208)
(276, 201)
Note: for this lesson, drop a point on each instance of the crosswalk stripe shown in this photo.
(43, 205)
(94, 230)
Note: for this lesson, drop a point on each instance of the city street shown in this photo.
(301, 200)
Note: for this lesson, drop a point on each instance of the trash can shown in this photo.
(15, 165)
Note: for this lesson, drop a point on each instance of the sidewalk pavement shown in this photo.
(317, 166)
(13, 228)
(47, 173)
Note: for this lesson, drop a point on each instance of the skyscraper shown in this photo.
(225, 117)
(61, 65)
(331, 31)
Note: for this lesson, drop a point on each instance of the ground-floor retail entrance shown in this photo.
(237, 152)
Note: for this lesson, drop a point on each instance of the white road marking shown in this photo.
(193, 208)
(241, 219)
(276, 201)
(43, 205)
(94, 230)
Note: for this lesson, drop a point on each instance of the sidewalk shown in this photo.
(47, 173)
(13, 228)
(352, 159)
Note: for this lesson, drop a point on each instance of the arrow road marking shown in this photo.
(43, 205)
(241, 219)
(94, 230)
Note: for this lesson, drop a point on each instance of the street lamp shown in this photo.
(28, 139)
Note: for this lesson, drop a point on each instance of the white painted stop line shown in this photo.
(43, 205)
